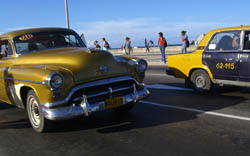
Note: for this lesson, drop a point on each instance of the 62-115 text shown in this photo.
(228, 66)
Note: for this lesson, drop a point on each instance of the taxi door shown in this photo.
(5, 62)
(222, 55)
(244, 59)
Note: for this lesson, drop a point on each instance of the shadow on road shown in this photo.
(17, 124)
(142, 116)
(4, 106)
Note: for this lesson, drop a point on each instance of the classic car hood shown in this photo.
(84, 64)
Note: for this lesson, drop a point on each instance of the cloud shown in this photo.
(115, 31)
(228, 18)
(140, 28)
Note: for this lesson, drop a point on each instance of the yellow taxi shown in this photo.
(222, 57)
(51, 73)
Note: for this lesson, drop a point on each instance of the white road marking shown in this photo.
(165, 75)
(167, 87)
(198, 111)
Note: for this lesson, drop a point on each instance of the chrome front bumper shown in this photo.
(85, 109)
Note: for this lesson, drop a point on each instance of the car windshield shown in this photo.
(37, 41)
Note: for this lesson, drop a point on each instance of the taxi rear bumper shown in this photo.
(169, 72)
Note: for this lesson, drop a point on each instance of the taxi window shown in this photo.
(225, 41)
(247, 41)
(32, 42)
(6, 49)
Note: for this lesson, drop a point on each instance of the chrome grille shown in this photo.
(97, 92)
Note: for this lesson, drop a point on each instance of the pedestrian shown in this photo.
(97, 44)
(162, 44)
(146, 46)
(106, 45)
(151, 43)
(185, 42)
(127, 46)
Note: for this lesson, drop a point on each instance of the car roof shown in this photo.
(233, 28)
(31, 30)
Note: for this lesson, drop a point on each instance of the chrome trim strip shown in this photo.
(103, 93)
(98, 94)
(233, 83)
(86, 85)
(121, 89)
(30, 81)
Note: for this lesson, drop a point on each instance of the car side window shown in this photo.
(6, 49)
(246, 41)
(225, 41)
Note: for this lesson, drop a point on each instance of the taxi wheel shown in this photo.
(37, 120)
(125, 108)
(201, 82)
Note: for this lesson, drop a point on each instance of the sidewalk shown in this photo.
(154, 56)
(151, 58)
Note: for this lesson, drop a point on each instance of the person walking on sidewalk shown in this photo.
(185, 42)
(97, 44)
(147, 45)
(162, 44)
(106, 45)
(127, 46)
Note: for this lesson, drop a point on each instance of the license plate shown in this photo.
(113, 102)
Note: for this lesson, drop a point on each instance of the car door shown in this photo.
(5, 62)
(221, 55)
(244, 58)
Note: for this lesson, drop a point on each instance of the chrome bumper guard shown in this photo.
(85, 109)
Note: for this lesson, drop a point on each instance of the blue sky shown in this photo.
(116, 19)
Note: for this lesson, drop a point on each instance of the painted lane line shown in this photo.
(167, 87)
(152, 74)
(198, 111)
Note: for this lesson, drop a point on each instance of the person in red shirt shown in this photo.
(162, 44)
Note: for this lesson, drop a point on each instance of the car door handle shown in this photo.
(207, 56)
(244, 56)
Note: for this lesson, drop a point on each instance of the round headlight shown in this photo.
(55, 81)
(141, 65)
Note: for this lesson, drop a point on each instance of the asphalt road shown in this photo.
(172, 121)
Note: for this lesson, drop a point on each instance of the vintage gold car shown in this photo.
(51, 73)
(222, 57)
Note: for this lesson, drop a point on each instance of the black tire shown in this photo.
(125, 108)
(38, 121)
(201, 82)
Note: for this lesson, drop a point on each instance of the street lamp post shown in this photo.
(67, 15)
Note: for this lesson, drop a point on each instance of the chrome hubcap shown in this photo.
(34, 111)
(200, 81)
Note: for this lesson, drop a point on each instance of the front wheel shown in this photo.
(37, 120)
(201, 82)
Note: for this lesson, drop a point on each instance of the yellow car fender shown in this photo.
(203, 67)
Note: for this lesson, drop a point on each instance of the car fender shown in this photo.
(203, 67)
(18, 78)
